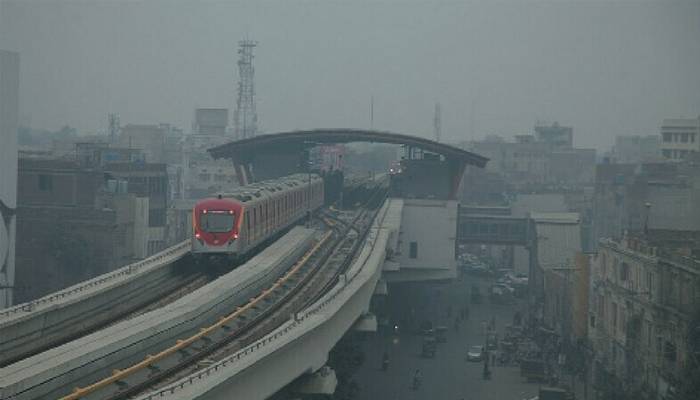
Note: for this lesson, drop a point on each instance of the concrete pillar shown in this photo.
(366, 323)
(322, 381)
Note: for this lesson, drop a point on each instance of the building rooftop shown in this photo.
(555, 217)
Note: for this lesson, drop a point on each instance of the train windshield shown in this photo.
(216, 221)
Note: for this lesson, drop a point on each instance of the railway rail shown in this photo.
(316, 272)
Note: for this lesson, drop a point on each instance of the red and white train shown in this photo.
(232, 224)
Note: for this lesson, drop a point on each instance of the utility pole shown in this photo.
(113, 127)
(245, 117)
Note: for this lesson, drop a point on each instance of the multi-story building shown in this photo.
(555, 135)
(679, 138)
(159, 143)
(644, 290)
(148, 180)
(636, 149)
(558, 244)
(9, 89)
(83, 224)
(201, 175)
(210, 121)
(544, 160)
(628, 196)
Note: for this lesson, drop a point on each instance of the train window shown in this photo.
(255, 218)
(247, 222)
(216, 221)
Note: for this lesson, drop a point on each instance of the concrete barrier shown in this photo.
(56, 372)
(36, 325)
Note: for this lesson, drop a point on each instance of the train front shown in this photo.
(216, 224)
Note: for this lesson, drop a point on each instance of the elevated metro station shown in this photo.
(427, 180)
(411, 237)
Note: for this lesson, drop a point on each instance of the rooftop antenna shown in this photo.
(371, 112)
(437, 122)
(245, 117)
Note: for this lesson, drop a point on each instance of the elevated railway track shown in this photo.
(300, 286)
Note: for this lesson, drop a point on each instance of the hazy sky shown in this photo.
(607, 68)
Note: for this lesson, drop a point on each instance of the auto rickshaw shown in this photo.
(441, 334)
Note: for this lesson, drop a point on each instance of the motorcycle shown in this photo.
(416, 383)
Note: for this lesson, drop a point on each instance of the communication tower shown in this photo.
(437, 122)
(245, 118)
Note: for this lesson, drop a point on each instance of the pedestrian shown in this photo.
(493, 358)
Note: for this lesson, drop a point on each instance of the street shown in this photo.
(448, 375)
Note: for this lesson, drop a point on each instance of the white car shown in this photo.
(475, 353)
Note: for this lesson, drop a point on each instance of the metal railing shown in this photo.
(164, 257)
(299, 319)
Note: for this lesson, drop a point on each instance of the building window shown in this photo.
(625, 272)
(592, 321)
(684, 137)
(667, 153)
(413, 250)
(667, 137)
(156, 217)
(670, 351)
(45, 183)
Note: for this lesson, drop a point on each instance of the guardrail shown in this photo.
(299, 318)
(163, 257)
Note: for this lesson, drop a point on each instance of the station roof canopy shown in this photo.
(243, 150)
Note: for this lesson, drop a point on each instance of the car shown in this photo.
(475, 353)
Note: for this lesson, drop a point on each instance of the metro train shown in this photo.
(232, 224)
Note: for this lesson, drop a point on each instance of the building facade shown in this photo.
(9, 93)
(679, 138)
(636, 149)
(148, 180)
(541, 161)
(644, 289)
(83, 225)
(660, 195)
